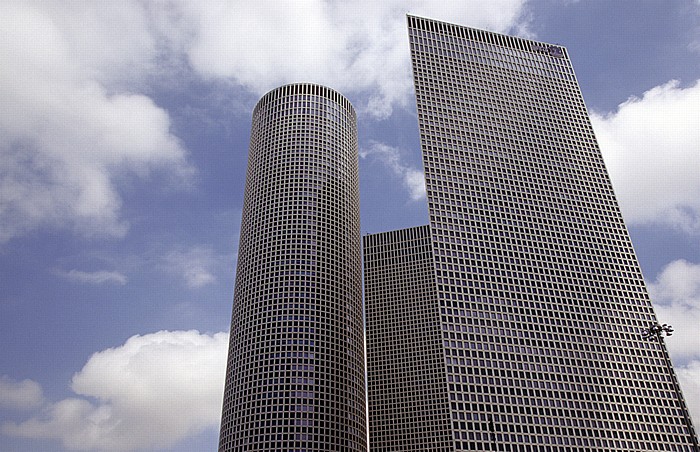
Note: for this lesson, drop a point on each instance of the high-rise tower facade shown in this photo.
(537, 296)
(407, 394)
(295, 375)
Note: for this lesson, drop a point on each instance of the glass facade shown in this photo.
(407, 391)
(295, 376)
(541, 299)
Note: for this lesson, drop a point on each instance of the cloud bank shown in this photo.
(69, 127)
(149, 393)
(77, 116)
(651, 147)
(676, 297)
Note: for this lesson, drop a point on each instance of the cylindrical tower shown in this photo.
(295, 374)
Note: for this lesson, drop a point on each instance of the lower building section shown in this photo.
(407, 393)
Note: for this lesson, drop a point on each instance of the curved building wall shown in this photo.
(295, 375)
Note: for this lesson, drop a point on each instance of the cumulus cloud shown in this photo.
(676, 297)
(196, 265)
(355, 47)
(97, 277)
(75, 119)
(651, 147)
(689, 378)
(71, 123)
(412, 178)
(149, 393)
(25, 394)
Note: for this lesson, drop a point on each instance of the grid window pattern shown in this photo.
(407, 390)
(295, 377)
(540, 294)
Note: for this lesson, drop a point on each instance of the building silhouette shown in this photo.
(295, 376)
(513, 322)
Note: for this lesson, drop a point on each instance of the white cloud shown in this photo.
(676, 297)
(25, 394)
(651, 147)
(689, 378)
(71, 122)
(196, 265)
(412, 178)
(148, 393)
(97, 277)
(73, 119)
(354, 47)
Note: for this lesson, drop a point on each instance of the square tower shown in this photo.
(540, 296)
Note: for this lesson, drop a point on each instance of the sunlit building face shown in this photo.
(295, 378)
(536, 302)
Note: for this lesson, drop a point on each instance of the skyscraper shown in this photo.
(295, 376)
(538, 302)
(407, 393)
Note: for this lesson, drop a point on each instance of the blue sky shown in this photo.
(123, 139)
